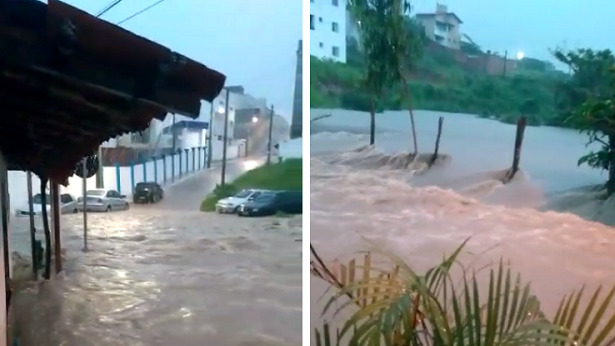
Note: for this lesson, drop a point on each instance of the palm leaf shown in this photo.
(585, 325)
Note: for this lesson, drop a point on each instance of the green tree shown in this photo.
(386, 45)
(589, 103)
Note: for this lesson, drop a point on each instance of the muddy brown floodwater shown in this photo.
(169, 275)
(352, 202)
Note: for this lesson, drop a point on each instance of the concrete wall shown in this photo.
(291, 149)
(324, 15)
(120, 178)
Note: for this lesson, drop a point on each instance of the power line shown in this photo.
(138, 13)
(111, 5)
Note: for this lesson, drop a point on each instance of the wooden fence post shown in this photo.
(521, 123)
(435, 153)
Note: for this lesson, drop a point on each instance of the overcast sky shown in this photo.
(253, 42)
(532, 26)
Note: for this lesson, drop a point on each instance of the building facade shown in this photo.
(328, 29)
(442, 26)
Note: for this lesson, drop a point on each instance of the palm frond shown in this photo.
(400, 307)
(593, 325)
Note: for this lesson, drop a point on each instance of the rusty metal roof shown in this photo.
(70, 81)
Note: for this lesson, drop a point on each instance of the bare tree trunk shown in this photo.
(412, 124)
(610, 185)
(434, 158)
(372, 123)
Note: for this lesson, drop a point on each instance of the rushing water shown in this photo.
(168, 275)
(360, 194)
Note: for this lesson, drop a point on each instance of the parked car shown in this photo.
(270, 203)
(231, 204)
(68, 204)
(148, 192)
(103, 200)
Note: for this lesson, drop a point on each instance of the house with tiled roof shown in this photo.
(442, 26)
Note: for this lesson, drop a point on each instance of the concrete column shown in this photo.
(5, 209)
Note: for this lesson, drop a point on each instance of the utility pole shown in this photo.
(32, 229)
(505, 62)
(270, 130)
(225, 138)
(100, 181)
(174, 134)
(210, 133)
(85, 204)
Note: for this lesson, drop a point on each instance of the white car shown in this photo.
(68, 204)
(103, 200)
(231, 204)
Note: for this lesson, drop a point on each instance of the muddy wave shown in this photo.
(363, 194)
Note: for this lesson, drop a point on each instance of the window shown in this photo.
(335, 51)
(311, 22)
(321, 45)
(335, 27)
(65, 198)
(334, 2)
(320, 19)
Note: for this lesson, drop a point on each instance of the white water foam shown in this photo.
(359, 194)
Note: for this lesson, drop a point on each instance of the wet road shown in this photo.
(167, 274)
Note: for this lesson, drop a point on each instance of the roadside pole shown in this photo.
(210, 132)
(100, 181)
(55, 212)
(85, 210)
(225, 139)
(32, 230)
(270, 130)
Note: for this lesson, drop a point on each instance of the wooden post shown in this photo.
(435, 153)
(55, 211)
(521, 123)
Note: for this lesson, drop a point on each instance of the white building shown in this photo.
(328, 29)
(194, 132)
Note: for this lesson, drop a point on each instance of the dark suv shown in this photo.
(148, 192)
(270, 203)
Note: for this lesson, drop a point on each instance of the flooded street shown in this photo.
(167, 274)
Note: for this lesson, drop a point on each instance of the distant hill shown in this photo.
(469, 80)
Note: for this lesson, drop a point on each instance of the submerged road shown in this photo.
(167, 274)
(188, 193)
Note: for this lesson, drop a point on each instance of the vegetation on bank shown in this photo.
(587, 101)
(392, 304)
(395, 68)
(437, 81)
(285, 175)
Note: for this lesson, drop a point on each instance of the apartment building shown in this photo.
(328, 29)
(442, 26)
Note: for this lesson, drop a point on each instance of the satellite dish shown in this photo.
(92, 163)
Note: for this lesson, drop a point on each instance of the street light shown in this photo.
(255, 119)
(221, 110)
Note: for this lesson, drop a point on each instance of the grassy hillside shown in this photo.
(285, 175)
(439, 82)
